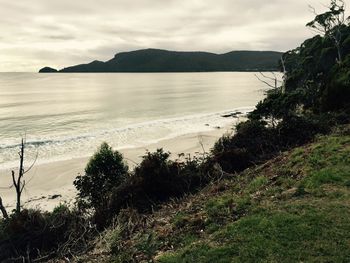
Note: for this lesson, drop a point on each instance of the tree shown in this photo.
(105, 171)
(330, 24)
(19, 183)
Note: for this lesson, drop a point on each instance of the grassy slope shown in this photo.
(295, 208)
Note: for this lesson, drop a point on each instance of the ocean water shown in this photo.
(65, 116)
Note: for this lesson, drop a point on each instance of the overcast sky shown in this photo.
(39, 33)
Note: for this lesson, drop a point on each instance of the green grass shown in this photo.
(299, 232)
(295, 210)
(328, 162)
(257, 183)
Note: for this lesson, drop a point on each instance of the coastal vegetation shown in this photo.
(293, 208)
(277, 190)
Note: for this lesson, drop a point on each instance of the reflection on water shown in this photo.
(68, 115)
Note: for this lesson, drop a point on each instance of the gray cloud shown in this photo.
(60, 37)
(66, 32)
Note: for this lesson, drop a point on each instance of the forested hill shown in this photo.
(156, 60)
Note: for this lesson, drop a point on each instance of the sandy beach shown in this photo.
(48, 185)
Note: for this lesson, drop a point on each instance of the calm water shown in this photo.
(69, 115)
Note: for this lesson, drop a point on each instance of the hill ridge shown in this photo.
(162, 60)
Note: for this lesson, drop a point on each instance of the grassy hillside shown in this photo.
(156, 60)
(294, 208)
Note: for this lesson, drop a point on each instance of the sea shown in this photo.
(68, 115)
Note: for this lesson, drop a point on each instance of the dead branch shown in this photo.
(32, 165)
(3, 210)
(200, 140)
(274, 78)
(19, 183)
(266, 82)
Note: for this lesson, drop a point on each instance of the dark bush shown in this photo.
(336, 95)
(105, 171)
(157, 179)
(298, 130)
(32, 234)
(253, 142)
(194, 172)
(256, 138)
(234, 160)
(160, 177)
(278, 105)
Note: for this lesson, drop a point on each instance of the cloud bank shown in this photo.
(37, 33)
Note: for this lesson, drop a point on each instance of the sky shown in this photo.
(38, 33)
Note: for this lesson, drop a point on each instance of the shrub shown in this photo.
(160, 176)
(156, 179)
(105, 171)
(252, 143)
(256, 138)
(277, 105)
(297, 130)
(233, 160)
(32, 233)
(194, 172)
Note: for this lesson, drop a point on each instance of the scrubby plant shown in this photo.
(158, 178)
(105, 171)
(32, 234)
(155, 179)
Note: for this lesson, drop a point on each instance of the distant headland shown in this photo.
(157, 60)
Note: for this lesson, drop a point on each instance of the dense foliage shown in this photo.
(314, 96)
(105, 171)
(156, 179)
(34, 234)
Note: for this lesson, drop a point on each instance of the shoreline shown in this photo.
(50, 184)
(134, 135)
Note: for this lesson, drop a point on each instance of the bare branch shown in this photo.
(128, 159)
(283, 65)
(273, 79)
(200, 140)
(268, 84)
(313, 10)
(3, 210)
(23, 185)
(32, 165)
(13, 179)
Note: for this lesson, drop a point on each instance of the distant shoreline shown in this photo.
(155, 72)
(159, 61)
